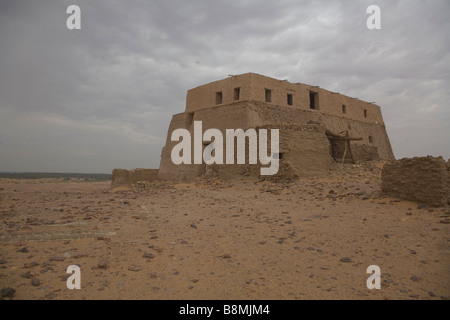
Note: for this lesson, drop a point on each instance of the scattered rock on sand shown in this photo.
(148, 255)
(8, 292)
(36, 282)
(134, 268)
(30, 265)
(57, 259)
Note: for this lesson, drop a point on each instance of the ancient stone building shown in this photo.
(316, 127)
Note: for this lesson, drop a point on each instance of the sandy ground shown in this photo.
(212, 239)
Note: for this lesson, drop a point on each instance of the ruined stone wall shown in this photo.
(363, 152)
(122, 177)
(421, 179)
(253, 87)
(143, 175)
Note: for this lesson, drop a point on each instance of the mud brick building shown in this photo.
(316, 126)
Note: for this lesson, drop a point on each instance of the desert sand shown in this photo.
(213, 239)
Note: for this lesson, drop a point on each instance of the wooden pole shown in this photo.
(346, 147)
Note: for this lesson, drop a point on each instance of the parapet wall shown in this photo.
(422, 179)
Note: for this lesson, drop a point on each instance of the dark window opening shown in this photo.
(218, 97)
(280, 156)
(365, 113)
(313, 100)
(189, 118)
(268, 95)
(344, 108)
(237, 93)
(289, 99)
(370, 139)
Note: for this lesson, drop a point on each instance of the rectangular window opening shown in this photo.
(313, 100)
(218, 97)
(344, 108)
(289, 99)
(268, 95)
(237, 93)
(365, 113)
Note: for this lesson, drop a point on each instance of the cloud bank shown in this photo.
(102, 97)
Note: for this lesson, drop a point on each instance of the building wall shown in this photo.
(253, 87)
(204, 96)
(143, 175)
(308, 149)
(421, 179)
(373, 135)
(225, 117)
(304, 151)
(122, 177)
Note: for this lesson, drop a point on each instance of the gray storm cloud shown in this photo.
(102, 97)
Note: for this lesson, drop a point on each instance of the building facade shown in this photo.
(317, 127)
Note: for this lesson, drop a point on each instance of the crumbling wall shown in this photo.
(421, 179)
(362, 152)
(143, 175)
(122, 177)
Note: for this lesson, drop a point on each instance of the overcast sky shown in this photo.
(102, 97)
